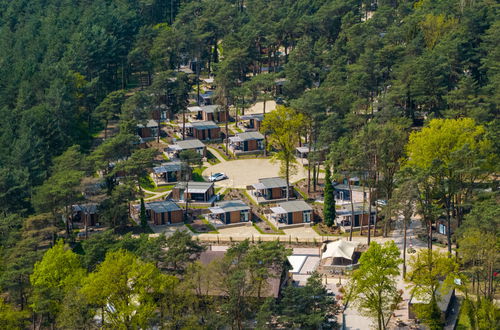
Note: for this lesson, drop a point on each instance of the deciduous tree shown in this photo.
(283, 126)
(373, 284)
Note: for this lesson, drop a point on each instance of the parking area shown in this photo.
(244, 172)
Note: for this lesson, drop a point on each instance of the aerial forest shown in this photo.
(402, 94)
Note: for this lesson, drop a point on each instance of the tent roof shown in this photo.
(340, 249)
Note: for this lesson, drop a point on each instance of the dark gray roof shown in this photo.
(256, 116)
(89, 208)
(190, 144)
(358, 209)
(276, 182)
(346, 187)
(203, 125)
(168, 167)
(194, 186)
(250, 136)
(162, 206)
(234, 205)
(295, 206)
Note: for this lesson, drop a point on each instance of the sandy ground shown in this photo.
(259, 107)
(244, 172)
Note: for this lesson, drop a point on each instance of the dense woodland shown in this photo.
(404, 95)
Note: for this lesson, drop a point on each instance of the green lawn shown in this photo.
(276, 231)
(147, 183)
(164, 188)
(223, 154)
(209, 225)
(250, 198)
(211, 158)
(197, 174)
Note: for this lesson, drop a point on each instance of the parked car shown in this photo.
(217, 177)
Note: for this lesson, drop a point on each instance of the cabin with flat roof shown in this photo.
(148, 130)
(164, 212)
(248, 142)
(87, 214)
(291, 213)
(209, 113)
(167, 172)
(228, 212)
(203, 130)
(251, 122)
(361, 213)
(343, 193)
(203, 192)
(272, 189)
(173, 150)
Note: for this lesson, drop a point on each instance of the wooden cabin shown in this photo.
(292, 212)
(164, 212)
(194, 191)
(228, 212)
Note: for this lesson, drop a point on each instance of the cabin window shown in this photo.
(442, 229)
(244, 215)
(307, 216)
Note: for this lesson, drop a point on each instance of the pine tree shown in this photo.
(144, 220)
(329, 203)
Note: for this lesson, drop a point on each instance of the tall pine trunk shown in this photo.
(352, 208)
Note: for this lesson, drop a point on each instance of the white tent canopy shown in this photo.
(340, 249)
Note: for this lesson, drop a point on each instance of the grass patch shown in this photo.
(250, 199)
(164, 156)
(320, 232)
(225, 153)
(211, 228)
(191, 228)
(197, 174)
(211, 158)
(164, 188)
(147, 183)
(275, 230)
(222, 154)
(301, 193)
